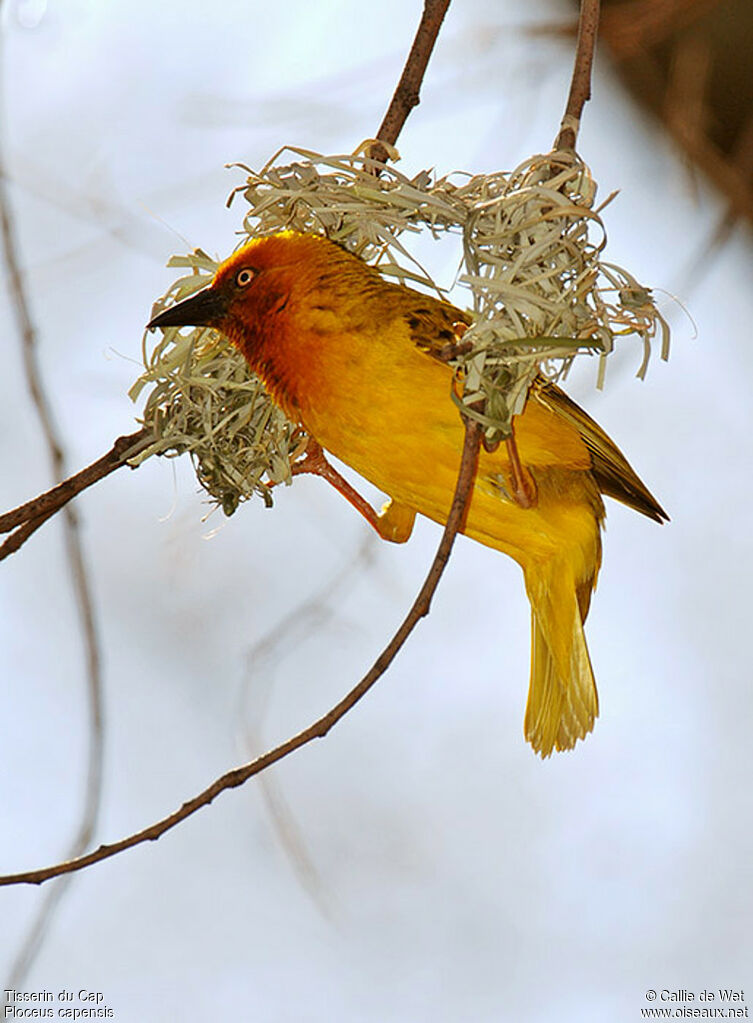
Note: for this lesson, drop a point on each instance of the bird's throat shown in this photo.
(282, 358)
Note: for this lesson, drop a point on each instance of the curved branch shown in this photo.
(322, 726)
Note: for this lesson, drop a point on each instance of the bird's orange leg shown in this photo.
(523, 484)
(394, 522)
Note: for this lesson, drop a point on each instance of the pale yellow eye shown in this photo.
(244, 277)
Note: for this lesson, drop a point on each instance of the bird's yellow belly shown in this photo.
(404, 434)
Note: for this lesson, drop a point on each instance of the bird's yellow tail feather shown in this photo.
(562, 700)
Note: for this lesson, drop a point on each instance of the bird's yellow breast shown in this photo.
(369, 396)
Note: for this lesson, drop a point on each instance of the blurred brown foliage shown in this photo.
(689, 62)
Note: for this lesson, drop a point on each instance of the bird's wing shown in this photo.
(611, 469)
(545, 438)
(433, 326)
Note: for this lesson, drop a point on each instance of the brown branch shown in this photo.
(420, 608)
(53, 500)
(408, 92)
(580, 85)
(21, 534)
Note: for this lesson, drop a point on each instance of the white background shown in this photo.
(453, 875)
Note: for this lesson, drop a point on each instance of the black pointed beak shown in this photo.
(204, 309)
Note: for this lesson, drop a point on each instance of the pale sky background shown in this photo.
(458, 876)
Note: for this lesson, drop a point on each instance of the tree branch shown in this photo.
(580, 84)
(322, 726)
(47, 504)
(407, 94)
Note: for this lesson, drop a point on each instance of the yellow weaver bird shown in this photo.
(354, 360)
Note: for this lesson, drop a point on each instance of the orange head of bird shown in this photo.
(280, 299)
(255, 285)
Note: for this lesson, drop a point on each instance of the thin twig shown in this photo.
(79, 577)
(580, 84)
(21, 534)
(408, 92)
(53, 500)
(236, 777)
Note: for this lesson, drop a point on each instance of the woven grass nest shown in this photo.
(537, 287)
